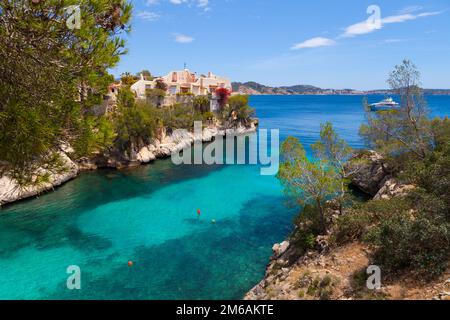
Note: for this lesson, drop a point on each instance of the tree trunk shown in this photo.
(322, 217)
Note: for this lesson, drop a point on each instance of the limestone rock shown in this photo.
(392, 188)
(145, 155)
(367, 171)
(279, 249)
(11, 191)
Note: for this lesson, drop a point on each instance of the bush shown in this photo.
(416, 239)
(308, 227)
(222, 94)
(201, 104)
(180, 116)
(239, 104)
(350, 227)
(356, 222)
(155, 93)
(208, 116)
(134, 122)
(322, 287)
(97, 134)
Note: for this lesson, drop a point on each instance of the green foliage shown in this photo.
(350, 227)
(208, 116)
(201, 104)
(50, 73)
(419, 237)
(322, 288)
(146, 74)
(26, 132)
(416, 242)
(239, 105)
(155, 93)
(134, 122)
(180, 116)
(358, 282)
(356, 222)
(185, 94)
(96, 134)
(238, 101)
(402, 131)
(128, 79)
(161, 85)
(332, 148)
(336, 152)
(307, 182)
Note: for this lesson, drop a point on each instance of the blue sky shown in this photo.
(285, 42)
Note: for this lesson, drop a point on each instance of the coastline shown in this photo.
(162, 148)
(336, 94)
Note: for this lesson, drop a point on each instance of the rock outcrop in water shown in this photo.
(164, 147)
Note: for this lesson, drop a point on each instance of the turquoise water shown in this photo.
(103, 219)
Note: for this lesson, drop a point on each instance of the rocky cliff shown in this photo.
(44, 179)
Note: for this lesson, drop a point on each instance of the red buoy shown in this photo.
(130, 263)
(198, 211)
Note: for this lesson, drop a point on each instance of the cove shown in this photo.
(147, 215)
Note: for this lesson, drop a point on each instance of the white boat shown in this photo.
(386, 104)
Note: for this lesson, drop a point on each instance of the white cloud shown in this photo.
(148, 16)
(366, 27)
(151, 2)
(410, 9)
(429, 14)
(203, 3)
(314, 43)
(200, 3)
(181, 38)
(394, 40)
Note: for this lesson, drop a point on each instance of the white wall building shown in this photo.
(183, 82)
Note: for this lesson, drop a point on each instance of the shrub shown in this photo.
(222, 94)
(350, 227)
(208, 116)
(308, 227)
(201, 103)
(239, 104)
(133, 121)
(161, 85)
(155, 93)
(322, 287)
(412, 240)
(355, 223)
(180, 116)
(96, 134)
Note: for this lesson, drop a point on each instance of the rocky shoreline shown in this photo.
(161, 148)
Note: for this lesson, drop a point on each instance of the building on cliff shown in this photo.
(184, 82)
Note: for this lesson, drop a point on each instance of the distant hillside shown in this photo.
(257, 88)
(254, 88)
